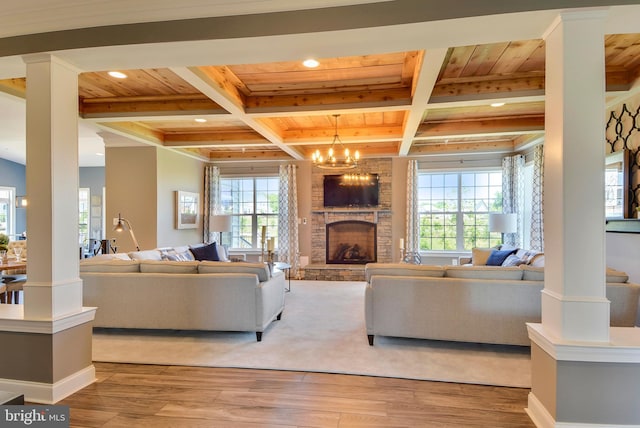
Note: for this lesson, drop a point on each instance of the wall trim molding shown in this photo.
(45, 393)
(623, 346)
(12, 320)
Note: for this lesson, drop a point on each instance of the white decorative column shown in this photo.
(46, 343)
(54, 288)
(574, 305)
(584, 373)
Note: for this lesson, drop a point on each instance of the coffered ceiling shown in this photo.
(414, 102)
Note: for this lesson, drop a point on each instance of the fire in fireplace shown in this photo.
(351, 242)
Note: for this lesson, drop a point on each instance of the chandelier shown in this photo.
(331, 161)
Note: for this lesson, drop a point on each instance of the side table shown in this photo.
(286, 267)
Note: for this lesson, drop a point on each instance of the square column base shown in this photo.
(585, 384)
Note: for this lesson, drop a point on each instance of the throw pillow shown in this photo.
(512, 260)
(205, 252)
(497, 257)
(479, 256)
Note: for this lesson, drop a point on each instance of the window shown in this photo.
(454, 209)
(7, 210)
(83, 215)
(252, 202)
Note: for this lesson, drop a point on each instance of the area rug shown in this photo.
(322, 330)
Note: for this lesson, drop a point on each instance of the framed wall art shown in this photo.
(187, 210)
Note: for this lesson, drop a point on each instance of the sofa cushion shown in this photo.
(146, 255)
(497, 257)
(175, 256)
(479, 256)
(532, 273)
(154, 266)
(205, 252)
(512, 260)
(114, 265)
(260, 269)
(402, 269)
(483, 272)
(537, 260)
(113, 256)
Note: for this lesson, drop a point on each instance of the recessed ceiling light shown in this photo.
(117, 74)
(497, 104)
(310, 63)
(200, 120)
(99, 154)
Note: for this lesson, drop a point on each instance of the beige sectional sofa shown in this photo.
(183, 295)
(483, 304)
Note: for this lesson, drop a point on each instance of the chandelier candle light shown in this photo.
(333, 162)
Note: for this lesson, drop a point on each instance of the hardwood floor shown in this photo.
(131, 395)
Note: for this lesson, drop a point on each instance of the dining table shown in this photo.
(8, 264)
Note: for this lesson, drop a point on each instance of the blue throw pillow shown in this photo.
(497, 257)
(205, 252)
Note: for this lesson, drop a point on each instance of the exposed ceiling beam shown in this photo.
(220, 91)
(426, 75)
(493, 126)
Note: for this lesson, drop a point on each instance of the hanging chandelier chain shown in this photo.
(331, 162)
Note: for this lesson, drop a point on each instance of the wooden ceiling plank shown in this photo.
(482, 126)
(170, 80)
(106, 84)
(518, 84)
(347, 135)
(217, 91)
(356, 99)
(158, 107)
(457, 60)
(483, 59)
(514, 56)
(16, 87)
(411, 65)
(463, 148)
(426, 80)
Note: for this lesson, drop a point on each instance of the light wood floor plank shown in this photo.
(131, 395)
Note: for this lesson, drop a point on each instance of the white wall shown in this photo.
(623, 251)
(177, 172)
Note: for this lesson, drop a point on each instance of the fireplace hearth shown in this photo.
(351, 242)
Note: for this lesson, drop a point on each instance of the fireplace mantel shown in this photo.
(352, 210)
(347, 211)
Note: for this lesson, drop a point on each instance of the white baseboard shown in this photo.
(45, 393)
(543, 419)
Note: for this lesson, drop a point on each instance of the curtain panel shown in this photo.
(513, 196)
(413, 218)
(288, 250)
(537, 209)
(210, 201)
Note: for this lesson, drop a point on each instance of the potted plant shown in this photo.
(4, 241)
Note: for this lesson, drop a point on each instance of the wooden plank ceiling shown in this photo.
(284, 110)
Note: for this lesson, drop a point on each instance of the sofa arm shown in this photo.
(271, 298)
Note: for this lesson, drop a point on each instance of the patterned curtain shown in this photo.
(513, 196)
(537, 209)
(211, 198)
(288, 250)
(413, 219)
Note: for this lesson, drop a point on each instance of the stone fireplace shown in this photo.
(351, 242)
(373, 223)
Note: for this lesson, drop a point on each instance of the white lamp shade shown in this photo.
(503, 223)
(220, 223)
